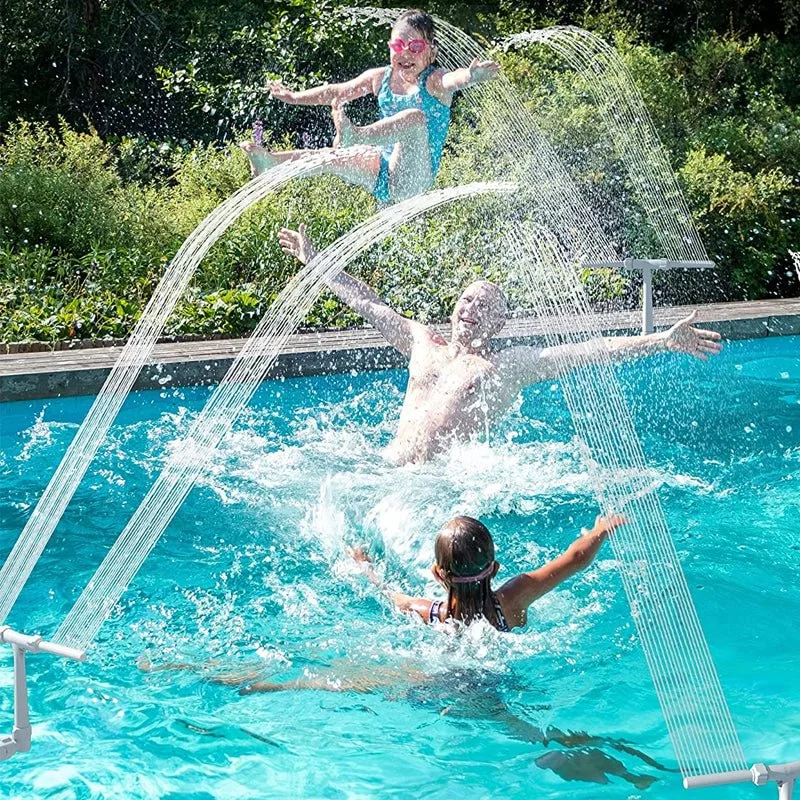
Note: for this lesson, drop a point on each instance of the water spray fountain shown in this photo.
(229, 399)
(684, 676)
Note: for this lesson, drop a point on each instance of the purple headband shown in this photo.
(484, 573)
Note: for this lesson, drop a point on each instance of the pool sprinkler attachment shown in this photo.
(647, 266)
(784, 776)
(20, 739)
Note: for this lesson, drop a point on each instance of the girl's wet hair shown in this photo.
(420, 21)
(464, 547)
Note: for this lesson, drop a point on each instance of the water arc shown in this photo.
(684, 676)
(548, 248)
(70, 472)
(231, 396)
(631, 130)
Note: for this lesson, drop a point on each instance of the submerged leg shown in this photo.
(354, 679)
(591, 765)
(580, 760)
(225, 678)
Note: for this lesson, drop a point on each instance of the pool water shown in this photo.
(252, 577)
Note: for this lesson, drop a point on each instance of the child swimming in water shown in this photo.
(398, 156)
(465, 566)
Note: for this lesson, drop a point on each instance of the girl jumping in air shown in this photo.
(398, 156)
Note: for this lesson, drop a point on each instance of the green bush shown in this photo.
(88, 224)
(57, 189)
(743, 216)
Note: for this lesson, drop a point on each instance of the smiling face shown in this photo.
(410, 64)
(479, 313)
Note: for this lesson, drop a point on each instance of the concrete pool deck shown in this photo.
(69, 372)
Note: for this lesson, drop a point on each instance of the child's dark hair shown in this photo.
(420, 21)
(464, 548)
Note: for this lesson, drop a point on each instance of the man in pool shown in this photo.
(457, 388)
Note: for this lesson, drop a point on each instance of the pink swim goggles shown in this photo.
(413, 46)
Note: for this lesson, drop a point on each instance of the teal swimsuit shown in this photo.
(437, 117)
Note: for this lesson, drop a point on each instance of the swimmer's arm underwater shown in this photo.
(522, 590)
(398, 330)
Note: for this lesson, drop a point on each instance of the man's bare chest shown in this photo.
(441, 374)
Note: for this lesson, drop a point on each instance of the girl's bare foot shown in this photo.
(260, 158)
(345, 130)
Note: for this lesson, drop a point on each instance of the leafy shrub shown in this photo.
(57, 189)
(89, 224)
(743, 216)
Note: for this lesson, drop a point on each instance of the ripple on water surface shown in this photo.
(252, 579)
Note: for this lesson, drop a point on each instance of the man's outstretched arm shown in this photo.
(530, 364)
(396, 329)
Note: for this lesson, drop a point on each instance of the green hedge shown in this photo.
(88, 224)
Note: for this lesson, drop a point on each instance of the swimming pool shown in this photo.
(252, 574)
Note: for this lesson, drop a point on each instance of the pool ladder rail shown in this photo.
(784, 776)
(20, 739)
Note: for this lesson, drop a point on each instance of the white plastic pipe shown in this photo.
(783, 775)
(647, 299)
(20, 739)
(647, 265)
(653, 263)
(35, 644)
(717, 779)
(22, 721)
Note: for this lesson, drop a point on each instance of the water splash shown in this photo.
(136, 353)
(231, 396)
(631, 130)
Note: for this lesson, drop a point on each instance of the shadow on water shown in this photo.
(466, 695)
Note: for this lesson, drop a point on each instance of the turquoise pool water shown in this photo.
(252, 575)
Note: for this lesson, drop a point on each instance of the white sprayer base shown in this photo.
(20, 739)
(783, 775)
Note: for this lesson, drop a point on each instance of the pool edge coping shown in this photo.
(64, 373)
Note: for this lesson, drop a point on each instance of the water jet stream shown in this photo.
(220, 412)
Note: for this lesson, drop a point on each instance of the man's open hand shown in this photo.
(683, 337)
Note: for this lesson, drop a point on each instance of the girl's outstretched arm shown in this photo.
(328, 93)
(477, 72)
(521, 590)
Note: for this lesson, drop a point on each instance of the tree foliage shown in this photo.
(118, 121)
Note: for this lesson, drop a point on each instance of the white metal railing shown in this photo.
(647, 267)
